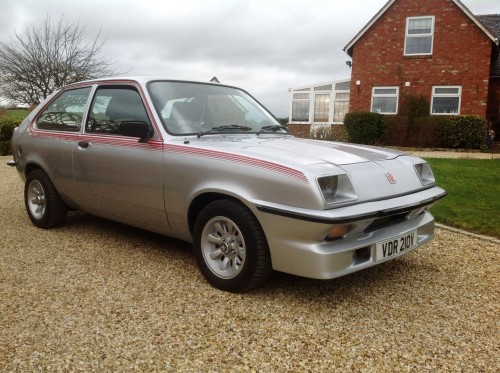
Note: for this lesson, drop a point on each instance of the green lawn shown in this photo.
(473, 201)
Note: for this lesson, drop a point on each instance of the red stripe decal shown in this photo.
(253, 162)
(128, 142)
(155, 145)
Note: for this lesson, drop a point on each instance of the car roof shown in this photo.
(139, 79)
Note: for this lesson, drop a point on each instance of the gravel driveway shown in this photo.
(100, 296)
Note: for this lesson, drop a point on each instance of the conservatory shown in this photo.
(325, 103)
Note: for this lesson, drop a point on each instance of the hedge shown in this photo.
(463, 131)
(425, 132)
(364, 128)
(396, 130)
(7, 125)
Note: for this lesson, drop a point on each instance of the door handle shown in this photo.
(83, 144)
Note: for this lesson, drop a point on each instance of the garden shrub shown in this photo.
(339, 133)
(395, 130)
(329, 132)
(425, 132)
(414, 107)
(463, 131)
(7, 125)
(364, 128)
(322, 132)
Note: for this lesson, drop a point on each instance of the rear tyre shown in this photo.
(44, 205)
(230, 247)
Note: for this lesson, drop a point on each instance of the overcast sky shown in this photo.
(263, 46)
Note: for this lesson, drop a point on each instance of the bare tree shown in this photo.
(41, 59)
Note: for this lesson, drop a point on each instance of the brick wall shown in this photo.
(299, 130)
(461, 56)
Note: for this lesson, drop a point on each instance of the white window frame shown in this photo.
(431, 34)
(328, 88)
(308, 100)
(344, 100)
(434, 94)
(391, 95)
(329, 112)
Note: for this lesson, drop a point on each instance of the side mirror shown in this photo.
(144, 131)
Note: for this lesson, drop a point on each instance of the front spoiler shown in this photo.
(362, 211)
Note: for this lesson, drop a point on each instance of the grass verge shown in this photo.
(473, 201)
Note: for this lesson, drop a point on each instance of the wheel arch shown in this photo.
(30, 167)
(202, 200)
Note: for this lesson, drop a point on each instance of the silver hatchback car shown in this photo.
(206, 163)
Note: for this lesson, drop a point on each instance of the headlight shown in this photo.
(337, 189)
(425, 174)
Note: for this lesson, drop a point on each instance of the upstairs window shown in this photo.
(385, 100)
(446, 100)
(419, 36)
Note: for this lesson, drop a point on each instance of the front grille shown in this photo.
(387, 221)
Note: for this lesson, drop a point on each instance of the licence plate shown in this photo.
(396, 246)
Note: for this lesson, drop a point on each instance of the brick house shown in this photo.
(432, 48)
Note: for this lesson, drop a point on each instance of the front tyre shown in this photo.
(230, 247)
(44, 205)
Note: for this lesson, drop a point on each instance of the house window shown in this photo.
(300, 107)
(327, 87)
(385, 100)
(419, 36)
(321, 108)
(319, 104)
(446, 100)
(343, 86)
(341, 106)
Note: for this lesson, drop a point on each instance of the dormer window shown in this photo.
(419, 36)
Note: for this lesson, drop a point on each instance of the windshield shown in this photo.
(198, 109)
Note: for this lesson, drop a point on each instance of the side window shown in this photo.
(385, 100)
(446, 100)
(114, 108)
(65, 113)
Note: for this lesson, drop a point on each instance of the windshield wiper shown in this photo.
(272, 129)
(230, 127)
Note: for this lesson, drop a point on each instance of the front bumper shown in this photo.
(298, 241)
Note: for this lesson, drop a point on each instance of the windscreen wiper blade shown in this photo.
(272, 129)
(229, 127)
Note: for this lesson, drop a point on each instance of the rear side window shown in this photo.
(65, 113)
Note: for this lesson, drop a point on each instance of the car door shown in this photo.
(120, 176)
(56, 129)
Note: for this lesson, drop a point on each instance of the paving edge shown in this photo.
(456, 230)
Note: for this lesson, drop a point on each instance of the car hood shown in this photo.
(389, 172)
(297, 150)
